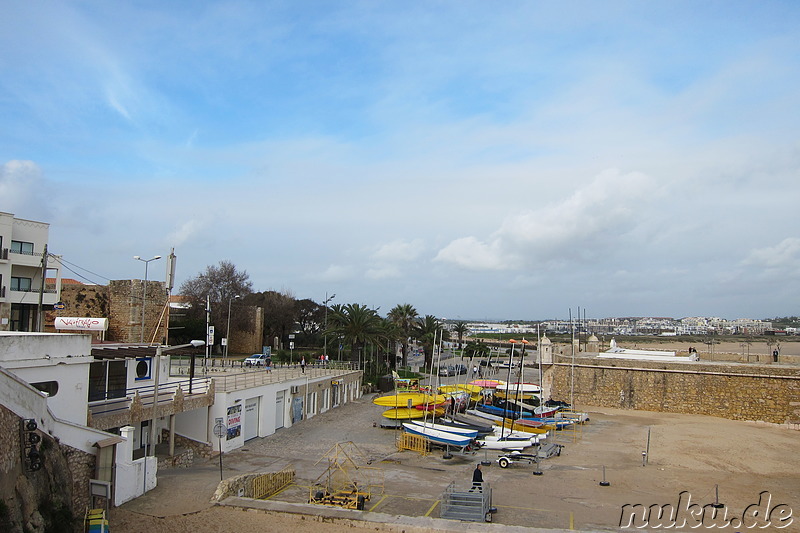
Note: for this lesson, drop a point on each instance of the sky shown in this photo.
(478, 160)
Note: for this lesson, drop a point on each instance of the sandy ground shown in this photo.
(687, 453)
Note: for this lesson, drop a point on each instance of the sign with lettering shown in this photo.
(81, 324)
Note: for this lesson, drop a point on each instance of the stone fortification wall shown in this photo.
(125, 311)
(84, 301)
(251, 341)
(46, 499)
(121, 302)
(769, 393)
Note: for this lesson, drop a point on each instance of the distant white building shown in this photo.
(23, 261)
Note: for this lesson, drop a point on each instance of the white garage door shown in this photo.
(251, 416)
(279, 410)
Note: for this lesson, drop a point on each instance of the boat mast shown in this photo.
(539, 356)
(572, 367)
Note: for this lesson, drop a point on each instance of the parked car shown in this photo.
(258, 359)
(508, 364)
(461, 369)
(447, 371)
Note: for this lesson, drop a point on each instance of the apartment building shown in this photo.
(25, 264)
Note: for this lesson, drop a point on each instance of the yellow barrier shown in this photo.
(268, 484)
(414, 443)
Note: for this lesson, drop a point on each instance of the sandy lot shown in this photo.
(687, 453)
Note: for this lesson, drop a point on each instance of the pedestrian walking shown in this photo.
(477, 479)
(303, 364)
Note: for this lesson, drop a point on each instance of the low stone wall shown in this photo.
(232, 486)
(768, 393)
(198, 449)
(184, 459)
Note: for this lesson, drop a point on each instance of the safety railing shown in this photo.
(166, 393)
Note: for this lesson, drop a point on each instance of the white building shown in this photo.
(25, 264)
(100, 399)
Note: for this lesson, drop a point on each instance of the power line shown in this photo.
(63, 261)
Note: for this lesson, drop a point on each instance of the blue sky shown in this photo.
(475, 159)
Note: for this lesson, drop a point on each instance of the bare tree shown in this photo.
(219, 285)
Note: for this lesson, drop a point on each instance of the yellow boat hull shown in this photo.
(407, 399)
(404, 413)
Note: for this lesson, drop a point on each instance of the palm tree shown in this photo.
(426, 330)
(461, 330)
(477, 349)
(357, 325)
(404, 317)
(390, 334)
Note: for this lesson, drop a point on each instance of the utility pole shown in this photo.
(39, 321)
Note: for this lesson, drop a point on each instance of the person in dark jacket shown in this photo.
(477, 479)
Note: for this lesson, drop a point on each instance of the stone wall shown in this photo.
(198, 449)
(125, 311)
(121, 302)
(768, 393)
(249, 342)
(84, 301)
(44, 499)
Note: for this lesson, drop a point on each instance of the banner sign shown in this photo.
(234, 421)
(82, 324)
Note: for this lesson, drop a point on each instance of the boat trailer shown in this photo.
(545, 451)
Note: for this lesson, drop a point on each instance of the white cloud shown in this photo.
(399, 250)
(384, 272)
(587, 223)
(185, 232)
(336, 273)
(783, 257)
(23, 190)
(470, 253)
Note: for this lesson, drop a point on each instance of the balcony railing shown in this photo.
(47, 290)
(166, 394)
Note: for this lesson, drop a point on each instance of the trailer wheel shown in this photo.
(503, 462)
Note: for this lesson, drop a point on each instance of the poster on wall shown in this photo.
(234, 421)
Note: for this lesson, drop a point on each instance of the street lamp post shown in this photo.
(144, 290)
(151, 439)
(325, 303)
(228, 333)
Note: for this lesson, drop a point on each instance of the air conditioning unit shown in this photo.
(295, 389)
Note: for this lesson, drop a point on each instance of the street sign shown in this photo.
(59, 306)
(210, 336)
(219, 430)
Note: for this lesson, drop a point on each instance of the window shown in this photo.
(49, 387)
(19, 247)
(20, 284)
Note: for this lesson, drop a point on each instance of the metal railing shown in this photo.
(255, 377)
(166, 393)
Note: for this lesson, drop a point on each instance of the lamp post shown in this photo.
(152, 436)
(325, 303)
(144, 289)
(228, 333)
